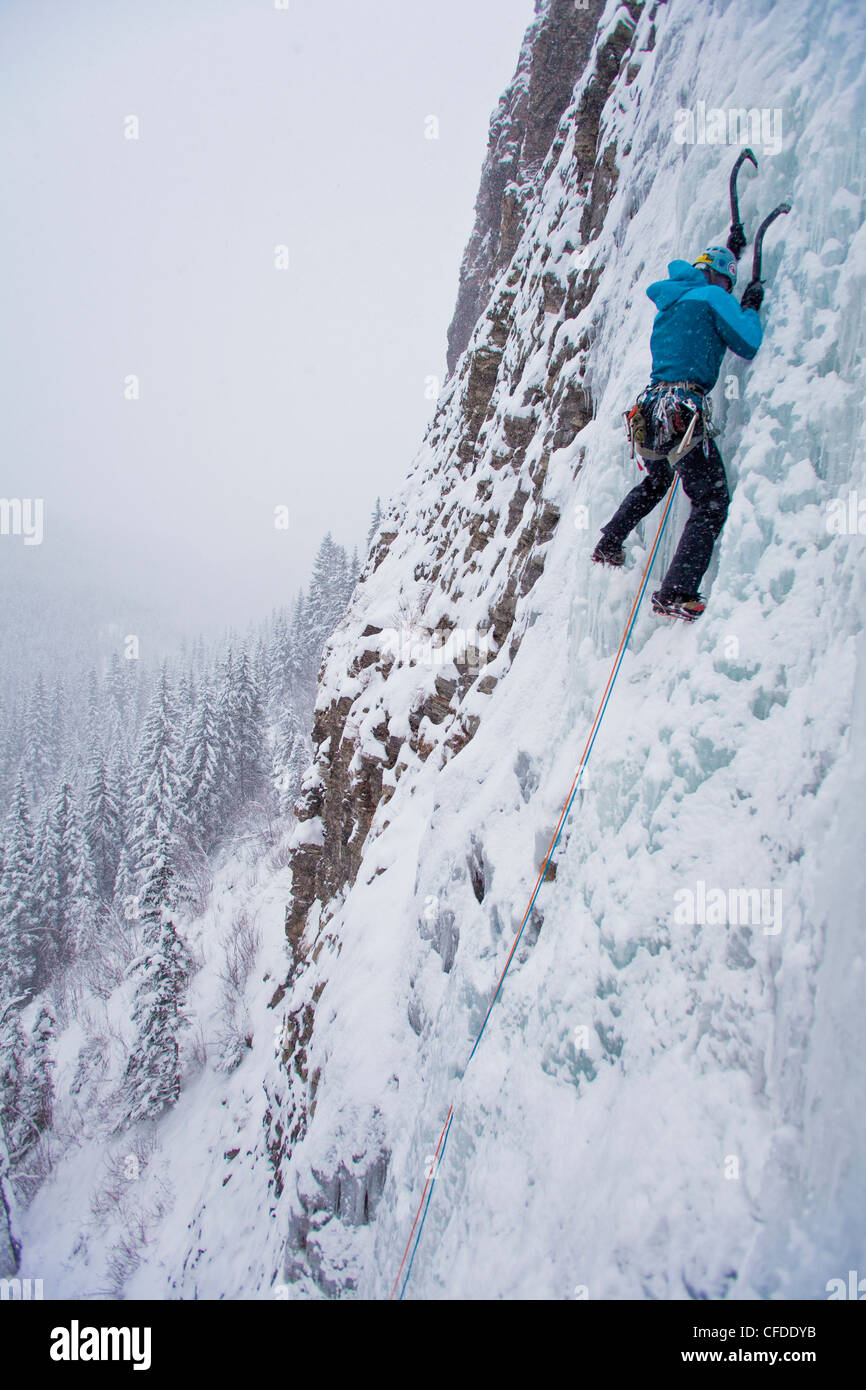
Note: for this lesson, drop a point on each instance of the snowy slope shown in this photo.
(704, 1137)
(656, 1109)
(182, 1207)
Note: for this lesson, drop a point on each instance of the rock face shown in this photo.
(477, 440)
(640, 1049)
(446, 594)
(522, 131)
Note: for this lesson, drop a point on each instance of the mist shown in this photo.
(231, 254)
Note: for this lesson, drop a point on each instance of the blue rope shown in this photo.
(426, 1209)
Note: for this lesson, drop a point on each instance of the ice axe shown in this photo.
(735, 206)
(759, 237)
(737, 238)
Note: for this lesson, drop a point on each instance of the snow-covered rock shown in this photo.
(658, 1107)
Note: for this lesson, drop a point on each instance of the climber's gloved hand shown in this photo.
(753, 295)
(736, 242)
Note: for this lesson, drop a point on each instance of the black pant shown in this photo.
(706, 486)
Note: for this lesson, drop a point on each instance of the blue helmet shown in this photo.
(720, 259)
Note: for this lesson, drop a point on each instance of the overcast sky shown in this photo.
(154, 257)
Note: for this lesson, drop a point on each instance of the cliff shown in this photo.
(647, 1116)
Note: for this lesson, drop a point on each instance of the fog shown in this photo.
(167, 383)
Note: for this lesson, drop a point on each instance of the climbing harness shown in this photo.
(662, 413)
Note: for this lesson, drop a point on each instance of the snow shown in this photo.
(308, 832)
(712, 767)
(658, 1109)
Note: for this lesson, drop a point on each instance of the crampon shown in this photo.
(679, 606)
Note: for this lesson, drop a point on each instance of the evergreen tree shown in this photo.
(38, 1091)
(299, 685)
(121, 783)
(280, 666)
(37, 760)
(343, 585)
(65, 883)
(184, 702)
(94, 717)
(57, 732)
(375, 523)
(17, 1134)
(201, 774)
(9, 752)
(117, 721)
(261, 668)
(226, 738)
(199, 660)
(292, 755)
(157, 883)
(26, 1087)
(157, 820)
(86, 909)
(250, 739)
(102, 827)
(19, 916)
(10, 1248)
(326, 603)
(152, 1078)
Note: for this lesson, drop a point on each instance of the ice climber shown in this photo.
(697, 320)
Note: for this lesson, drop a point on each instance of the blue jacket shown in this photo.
(696, 322)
